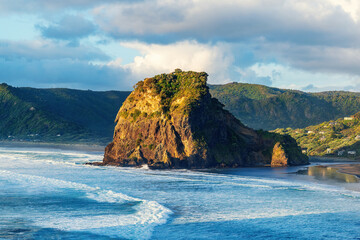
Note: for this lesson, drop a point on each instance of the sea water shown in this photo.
(51, 194)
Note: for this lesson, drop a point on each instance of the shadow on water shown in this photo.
(324, 173)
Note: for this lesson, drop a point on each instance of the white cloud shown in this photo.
(187, 55)
(320, 59)
(286, 43)
(352, 7)
(312, 22)
(288, 77)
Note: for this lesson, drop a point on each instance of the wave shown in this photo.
(46, 157)
(138, 225)
(244, 181)
(236, 216)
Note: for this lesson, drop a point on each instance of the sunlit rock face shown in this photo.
(171, 121)
(279, 158)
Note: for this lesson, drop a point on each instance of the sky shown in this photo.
(309, 45)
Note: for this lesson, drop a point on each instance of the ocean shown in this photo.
(51, 194)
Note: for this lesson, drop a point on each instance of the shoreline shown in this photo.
(350, 168)
(331, 159)
(61, 146)
(340, 165)
(338, 168)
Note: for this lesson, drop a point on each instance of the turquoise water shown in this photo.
(50, 194)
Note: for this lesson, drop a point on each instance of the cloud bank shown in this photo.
(271, 42)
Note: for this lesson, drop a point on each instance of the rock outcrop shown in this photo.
(171, 121)
(279, 158)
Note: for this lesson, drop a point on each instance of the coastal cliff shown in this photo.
(171, 121)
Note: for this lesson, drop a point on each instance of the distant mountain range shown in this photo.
(67, 115)
(339, 137)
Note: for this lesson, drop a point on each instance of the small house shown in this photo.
(348, 118)
(340, 153)
(328, 151)
(357, 137)
(310, 132)
(304, 150)
(351, 152)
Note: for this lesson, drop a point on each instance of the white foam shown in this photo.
(45, 157)
(135, 226)
(236, 216)
(250, 182)
(145, 166)
(139, 225)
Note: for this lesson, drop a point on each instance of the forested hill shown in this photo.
(331, 138)
(66, 115)
(262, 107)
(58, 115)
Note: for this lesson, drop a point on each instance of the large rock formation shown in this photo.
(171, 121)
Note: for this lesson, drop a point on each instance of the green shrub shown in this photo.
(135, 114)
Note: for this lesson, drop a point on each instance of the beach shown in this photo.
(353, 168)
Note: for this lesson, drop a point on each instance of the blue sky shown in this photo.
(311, 45)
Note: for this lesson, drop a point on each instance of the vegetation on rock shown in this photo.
(171, 121)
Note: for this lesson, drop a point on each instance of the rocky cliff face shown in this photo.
(171, 121)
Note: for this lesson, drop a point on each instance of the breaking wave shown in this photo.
(137, 225)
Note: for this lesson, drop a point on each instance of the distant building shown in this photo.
(357, 137)
(351, 152)
(328, 151)
(348, 118)
(340, 153)
(310, 132)
(323, 138)
(322, 132)
(304, 150)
